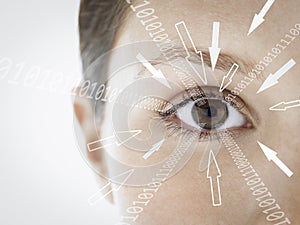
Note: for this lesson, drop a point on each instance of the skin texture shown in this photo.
(186, 197)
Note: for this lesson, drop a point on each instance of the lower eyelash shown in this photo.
(174, 129)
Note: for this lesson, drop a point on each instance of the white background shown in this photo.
(43, 178)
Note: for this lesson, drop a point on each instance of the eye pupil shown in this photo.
(210, 115)
(210, 111)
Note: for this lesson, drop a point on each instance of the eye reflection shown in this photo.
(208, 114)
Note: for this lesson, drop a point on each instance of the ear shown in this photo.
(84, 113)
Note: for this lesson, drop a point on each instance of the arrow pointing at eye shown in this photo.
(101, 193)
(273, 79)
(187, 42)
(155, 148)
(111, 140)
(227, 79)
(283, 106)
(157, 74)
(214, 50)
(259, 18)
(213, 173)
(272, 156)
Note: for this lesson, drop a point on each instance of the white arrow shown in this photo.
(154, 148)
(271, 155)
(157, 74)
(214, 176)
(283, 106)
(259, 18)
(273, 79)
(214, 50)
(101, 194)
(227, 79)
(111, 140)
(187, 42)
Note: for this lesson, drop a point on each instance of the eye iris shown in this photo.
(210, 115)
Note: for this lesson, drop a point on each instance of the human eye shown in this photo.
(207, 114)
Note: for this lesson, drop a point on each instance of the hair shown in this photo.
(99, 22)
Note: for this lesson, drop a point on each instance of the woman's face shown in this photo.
(247, 188)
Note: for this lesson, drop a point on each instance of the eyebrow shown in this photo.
(225, 60)
(224, 63)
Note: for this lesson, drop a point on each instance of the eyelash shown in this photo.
(174, 129)
(168, 117)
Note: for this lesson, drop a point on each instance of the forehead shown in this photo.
(235, 16)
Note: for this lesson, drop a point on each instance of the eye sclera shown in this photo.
(209, 92)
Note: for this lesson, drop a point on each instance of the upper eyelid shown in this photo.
(204, 95)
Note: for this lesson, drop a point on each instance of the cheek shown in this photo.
(279, 131)
(189, 192)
